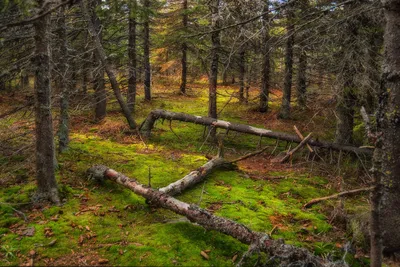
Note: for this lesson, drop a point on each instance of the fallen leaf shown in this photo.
(30, 231)
(234, 257)
(205, 255)
(103, 261)
(81, 238)
(52, 242)
(87, 228)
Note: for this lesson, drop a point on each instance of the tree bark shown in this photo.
(386, 198)
(302, 80)
(274, 248)
(132, 65)
(146, 50)
(265, 75)
(213, 77)
(148, 125)
(45, 175)
(287, 88)
(184, 48)
(63, 128)
(99, 81)
(242, 70)
(111, 75)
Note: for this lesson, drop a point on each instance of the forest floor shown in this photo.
(108, 225)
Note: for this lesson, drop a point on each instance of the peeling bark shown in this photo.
(148, 125)
(287, 254)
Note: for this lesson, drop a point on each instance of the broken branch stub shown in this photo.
(287, 254)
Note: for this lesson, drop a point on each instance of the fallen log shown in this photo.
(291, 152)
(200, 174)
(194, 177)
(286, 254)
(154, 115)
(341, 194)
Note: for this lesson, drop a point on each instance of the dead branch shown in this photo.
(302, 137)
(249, 155)
(294, 150)
(341, 194)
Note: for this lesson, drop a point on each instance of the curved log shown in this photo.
(154, 115)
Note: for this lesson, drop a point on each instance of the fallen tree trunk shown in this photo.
(261, 241)
(194, 177)
(341, 194)
(148, 125)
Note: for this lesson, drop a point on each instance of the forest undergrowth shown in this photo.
(106, 224)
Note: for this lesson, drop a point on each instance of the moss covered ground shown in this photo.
(106, 224)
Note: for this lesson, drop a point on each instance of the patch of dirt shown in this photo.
(87, 257)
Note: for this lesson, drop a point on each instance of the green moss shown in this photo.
(125, 230)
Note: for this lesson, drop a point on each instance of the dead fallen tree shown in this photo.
(341, 194)
(200, 174)
(285, 254)
(194, 177)
(148, 125)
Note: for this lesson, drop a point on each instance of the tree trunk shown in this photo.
(63, 128)
(242, 70)
(287, 87)
(287, 254)
(345, 114)
(25, 80)
(346, 97)
(148, 125)
(302, 80)
(184, 48)
(265, 72)
(111, 75)
(388, 170)
(45, 176)
(146, 50)
(132, 56)
(100, 111)
(213, 77)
